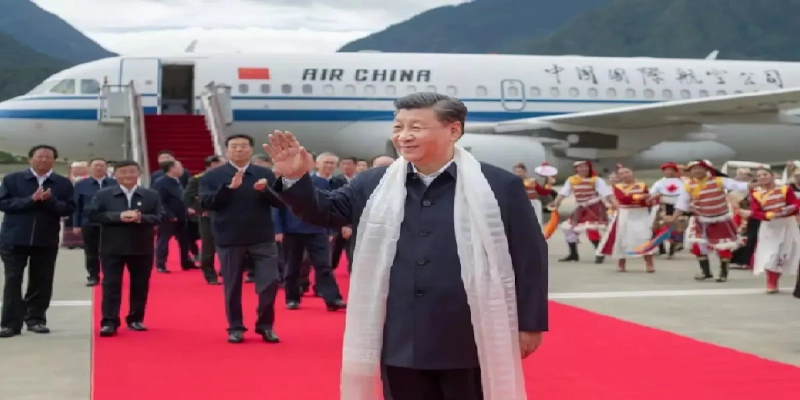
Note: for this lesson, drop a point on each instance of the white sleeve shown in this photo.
(683, 200)
(657, 187)
(566, 190)
(287, 183)
(602, 188)
(735, 186)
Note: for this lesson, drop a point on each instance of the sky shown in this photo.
(256, 26)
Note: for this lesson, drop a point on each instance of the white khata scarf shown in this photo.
(485, 270)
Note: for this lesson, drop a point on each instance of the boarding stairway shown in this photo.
(191, 137)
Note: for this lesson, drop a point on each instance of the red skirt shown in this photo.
(592, 216)
(718, 234)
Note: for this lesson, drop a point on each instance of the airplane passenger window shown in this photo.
(90, 86)
(703, 93)
(554, 91)
(391, 90)
(286, 89)
(452, 91)
(535, 92)
(592, 92)
(308, 89)
(649, 94)
(630, 93)
(737, 92)
(328, 89)
(481, 91)
(369, 90)
(243, 88)
(431, 89)
(66, 86)
(721, 93)
(349, 90)
(265, 88)
(686, 94)
(667, 94)
(512, 92)
(611, 92)
(411, 89)
(573, 92)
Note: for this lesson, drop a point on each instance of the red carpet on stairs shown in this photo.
(185, 135)
(586, 356)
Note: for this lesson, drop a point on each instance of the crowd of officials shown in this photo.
(227, 209)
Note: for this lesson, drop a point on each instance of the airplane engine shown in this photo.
(505, 150)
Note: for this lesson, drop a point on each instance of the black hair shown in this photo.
(240, 136)
(38, 147)
(126, 163)
(353, 159)
(448, 109)
(521, 166)
(211, 159)
(97, 159)
(166, 165)
(363, 160)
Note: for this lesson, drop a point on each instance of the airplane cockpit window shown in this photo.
(592, 92)
(243, 88)
(328, 89)
(308, 89)
(286, 89)
(611, 92)
(349, 90)
(573, 92)
(43, 87)
(452, 91)
(535, 92)
(703, 93)
(411, 89)
(555, 92)
(630, 93)
(90, 86)
(686, 94)
(481, 91)
(265, 88)
(369, 90)
(649, 94)
(66, 86)
(666, 94)
(391, 90)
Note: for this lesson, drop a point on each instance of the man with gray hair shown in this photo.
(382, 161)
(449, 284)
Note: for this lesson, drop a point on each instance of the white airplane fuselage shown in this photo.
(343, 102)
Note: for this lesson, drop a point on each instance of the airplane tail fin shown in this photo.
(191, 47)
(713, 55)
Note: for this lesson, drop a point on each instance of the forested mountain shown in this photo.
(47, 33)
(22, 68)
(480, 26)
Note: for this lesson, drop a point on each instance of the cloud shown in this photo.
(274, 26)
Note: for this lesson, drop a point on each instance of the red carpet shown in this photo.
(586, 357)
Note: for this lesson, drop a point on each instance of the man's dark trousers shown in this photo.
(140, 268)
(317, 246)
(166, 231)
(341, 245)
(33, 307)
(91, 248)
(265, 260)
(207, 249)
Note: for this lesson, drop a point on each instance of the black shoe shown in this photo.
(268, 335)
(92, 282)
(573, 253)
(213, 281)
(599, 259)
(108, 331)
(292, 305)
(39, 328)
(236, 337)
(705, 271)
(137, 326)
(249, 279)
(336, 305)
(189, 267)
(162, 270)
(8, 332)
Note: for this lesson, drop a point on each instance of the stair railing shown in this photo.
(138, 138)
(210, 107)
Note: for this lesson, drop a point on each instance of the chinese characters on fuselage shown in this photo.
(653, 76)
(366, 75)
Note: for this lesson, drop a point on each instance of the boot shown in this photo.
(573, 253)
(723, 270)
(672, 247)
(705, 270)
(662, 249)
(772, 281)
(597, 259)
(621, 265)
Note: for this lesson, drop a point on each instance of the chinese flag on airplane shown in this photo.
(253, 73)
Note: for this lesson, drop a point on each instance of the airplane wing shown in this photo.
(759, 107)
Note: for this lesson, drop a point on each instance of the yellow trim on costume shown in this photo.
(575, 180)
(694, 192)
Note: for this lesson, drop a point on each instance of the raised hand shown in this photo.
(37, 195)
(291, 159)
(260, 185)
(47, 194)
(236, 181)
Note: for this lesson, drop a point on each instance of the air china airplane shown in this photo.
(639, 111)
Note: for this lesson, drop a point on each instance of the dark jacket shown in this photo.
(338, 181)
(171, 194)
(126, 238)
(34, 223)
(286, 222)
(191, 196)
(184, 178)
(242, 216)
(428, 321)
(84, 191)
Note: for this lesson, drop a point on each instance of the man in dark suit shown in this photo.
(170, 190)
(341, 241)
(33, 202)
(421, 284)
(191, 197)
(84, 191)
(192, 228)
(237, 194)
(128, 215)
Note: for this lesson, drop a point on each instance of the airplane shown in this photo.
(637, 111)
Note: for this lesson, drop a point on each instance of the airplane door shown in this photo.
(145, 73)
(512, 94)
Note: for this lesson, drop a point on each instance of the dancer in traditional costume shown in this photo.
(534, 188)
(778, 247)
(592, 197)
(667, 190)
(793, 168)
(711, 226)
(631, 225)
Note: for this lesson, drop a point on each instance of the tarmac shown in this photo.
(737, 314)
